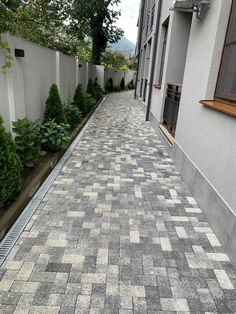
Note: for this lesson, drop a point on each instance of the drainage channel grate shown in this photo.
(18, 227)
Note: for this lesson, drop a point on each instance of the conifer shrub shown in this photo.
(54, 108)
(90, 89)
(10, 167)
(90, 102)
(79, 100)
(130, 85)
(109, 85)
(27, 141)
(122, 84)
(99, 91)
(73, 114)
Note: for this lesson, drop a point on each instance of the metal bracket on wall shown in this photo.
(200, 7)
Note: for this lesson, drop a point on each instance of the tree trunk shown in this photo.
(96, 51)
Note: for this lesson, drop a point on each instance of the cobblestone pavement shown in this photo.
(118, 232)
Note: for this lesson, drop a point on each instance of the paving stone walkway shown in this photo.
(118, 232)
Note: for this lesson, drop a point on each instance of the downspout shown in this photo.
(139, 45)
(156, 36)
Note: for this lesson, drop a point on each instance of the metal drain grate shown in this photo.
(18, 227)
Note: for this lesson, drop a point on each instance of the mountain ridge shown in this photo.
(124, 44)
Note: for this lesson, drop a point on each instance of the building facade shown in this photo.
(187, 80)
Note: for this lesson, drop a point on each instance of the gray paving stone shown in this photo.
(118, 232)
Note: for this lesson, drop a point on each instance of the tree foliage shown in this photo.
(115, 60)
(96, 19)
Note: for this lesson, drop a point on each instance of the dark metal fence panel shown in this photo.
(170, 116)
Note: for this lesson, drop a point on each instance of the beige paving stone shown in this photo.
(73, 259)
(24, 287)
(213, 239)
(44, 309)
(181, 232)
(5, 285)
(193, 210)
(25, 271)
(178, 305)
(102, 257)
(12, 265)
(83, 303)
(56, 243)
(75, 214)
(219, 257)
(134, 236)
(93, 278)
(223, 279)
(165, 244)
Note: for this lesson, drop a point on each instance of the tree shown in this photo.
(7, 14)
(113, 59)
(54, 109)
(79, 100)
(96, 18)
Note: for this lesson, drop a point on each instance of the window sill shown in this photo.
(158, 86)
(226, 107)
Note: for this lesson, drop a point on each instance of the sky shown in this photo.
(129, 17)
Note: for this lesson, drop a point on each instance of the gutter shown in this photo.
(156, 36)
(139, 45)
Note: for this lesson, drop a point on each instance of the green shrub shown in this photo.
(130, 85)
(73, 114)
(91, 90)
(122, 84)
(27, 141)
(90, 102)
(109, 86)
(54, 137)
(54, 109)
(79, 100)
(10, 167)
(99, 91)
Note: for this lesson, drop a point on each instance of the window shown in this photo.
(226, 85)
(163, 54)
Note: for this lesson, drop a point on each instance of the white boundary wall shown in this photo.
(25, 87)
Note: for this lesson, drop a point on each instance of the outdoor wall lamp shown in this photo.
(19, 53)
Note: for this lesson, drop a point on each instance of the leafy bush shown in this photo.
(54, 109)
(10, 167)
(73, 114)
(91, 90)
(130, 85)
(109, 86)
(122, 84)
(54, 137)
(90, 102)
(99, 91)
(27, 141)
(79, 100)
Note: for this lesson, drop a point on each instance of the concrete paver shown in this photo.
(118, 232)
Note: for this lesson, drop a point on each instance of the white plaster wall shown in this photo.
(129, 75)
(205, 135)
(100, 75)
(82, 77)
(67, 72)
